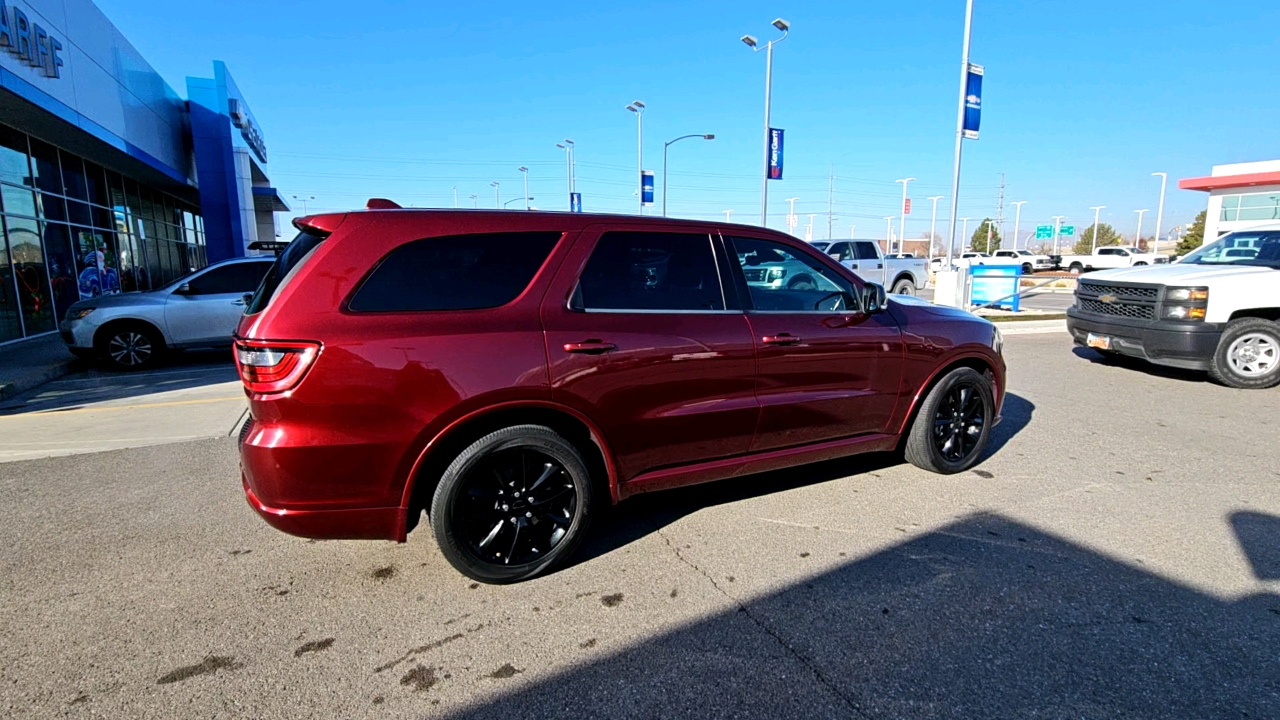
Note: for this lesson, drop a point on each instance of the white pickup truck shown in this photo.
(1217, 309)
(900, 276)
(1110, 258)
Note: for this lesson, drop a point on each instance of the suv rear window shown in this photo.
(288, 260)
(457, 272)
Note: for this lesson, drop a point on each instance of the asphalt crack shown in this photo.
(745, 610)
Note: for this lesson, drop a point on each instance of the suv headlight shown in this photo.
(74, 314)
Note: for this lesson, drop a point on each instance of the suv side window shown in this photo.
(842, 252)
(1109, 251)
(866, 250)
(650, 271)
(781, 279)
(456, 272)
(242, 277)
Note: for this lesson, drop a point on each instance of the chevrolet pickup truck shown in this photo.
(1217, 309)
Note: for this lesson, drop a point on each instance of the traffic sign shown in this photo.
(1068, 230)
(1044, 232)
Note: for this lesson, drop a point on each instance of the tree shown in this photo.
(1107, 235)
(1194, 237)
(979, 240)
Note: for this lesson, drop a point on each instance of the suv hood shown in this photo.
(1178, 274)
(129, 299)
(939, 310)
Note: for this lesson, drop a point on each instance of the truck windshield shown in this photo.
(1256, 247)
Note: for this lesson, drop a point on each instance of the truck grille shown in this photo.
(1138, 302)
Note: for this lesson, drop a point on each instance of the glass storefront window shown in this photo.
(10, 308)
(27, 255)
(73, 177)
(96, 250)
(155, 268)
(13, 163)
(95, 181)
(18, 201)
(63, 275)
(53, 208)
(44, 161)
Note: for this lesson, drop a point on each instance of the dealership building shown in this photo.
(1241, 196)
(110, 181)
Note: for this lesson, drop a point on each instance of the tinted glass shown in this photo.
(44, 161)
(234, 278)
(866, 251)
(842, 252)
(651, 271)
(18, 201)
(13, 160)
(96, 255)
(782, 279)
(29, 270)
(460, 272)
(73, 177)
(10, 308)
(95, 180)
(293, 255)
(62, 267)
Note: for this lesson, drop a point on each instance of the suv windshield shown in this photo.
(1256, 247)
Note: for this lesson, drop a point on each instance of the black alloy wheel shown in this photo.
(953, 424)
(131, 347)
(512, 504)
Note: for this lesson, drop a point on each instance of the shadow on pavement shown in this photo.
(1139, 365)
(983, 618)
(181, 371)
(641, 515)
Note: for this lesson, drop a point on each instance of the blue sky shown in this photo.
(1082, 100)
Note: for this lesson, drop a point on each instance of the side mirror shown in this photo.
(184, 289)
(873, 298)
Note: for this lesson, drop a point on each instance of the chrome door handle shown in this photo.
(590, 347)
(780, 339)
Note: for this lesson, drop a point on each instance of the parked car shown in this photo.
(902, 276)
(1217, 309)
(1109, 258)
(132, 331)
(510, 372)
(1029, 261)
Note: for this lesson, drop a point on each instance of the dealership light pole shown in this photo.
(964, 235)
(1164, 178)
(902, 225)
(1057, 223)
(637, 107)
(497, 201)
(791, 216)
(1096, 210)
(727, 213)
(527, 200)
(933, 223)
(1137, 238)
(567, 147)
(852, 230)
(964, 83)
(475, 202)
(525, 170)
(304, 199)
(888, 234)
(1017, 220)
(666, 145)
(752, 43)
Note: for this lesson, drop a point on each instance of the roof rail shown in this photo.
(381, 204)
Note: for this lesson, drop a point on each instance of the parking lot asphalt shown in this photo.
(1116, 555)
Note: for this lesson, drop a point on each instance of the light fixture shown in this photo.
(638, 104)
(708, 137)
(782, 25)
(750, 41)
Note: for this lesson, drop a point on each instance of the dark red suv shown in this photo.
(508, 371)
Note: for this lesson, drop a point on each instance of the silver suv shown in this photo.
(131, 331)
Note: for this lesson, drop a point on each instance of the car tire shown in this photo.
(904, 287)
(130, 346)
(482, 505)
(1139, 264)
(803, 282)
(1248, 355)
(952, 428)
(1027, 269)
(1075, 269)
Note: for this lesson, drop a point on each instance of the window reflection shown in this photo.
(25, 250)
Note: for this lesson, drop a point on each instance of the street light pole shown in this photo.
(752, 43)
(497, 200)
(527, 200)
(1096, 210)
(455, 197)
(964, 235)
(1017, 220)
(791, 216)
(1164, 177)
(1137, 238)
(475, 202)
(902, 225)
(955, 173)
(637, 107)
(852, 229)
(567, 147)
(888, 234)
(933, 223)
(304, 200)
(727, 213)
(525, 170)
(1057, 223)
(666, 145)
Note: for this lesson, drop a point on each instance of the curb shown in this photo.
(36, 378)
(1023, 318)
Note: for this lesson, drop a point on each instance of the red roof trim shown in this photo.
(1229, 181)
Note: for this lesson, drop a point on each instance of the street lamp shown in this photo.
(1017, 220)
(932, 223)
(785, 28)
(567, 147)
(475, 202)
(527, 200)
(1164, 177)
(637, 107)
(664, 163)
(888, 234)
(964, 234)
(1057, 224)
(902, 225)
(852, 230)
(727, 213)
(455, 197)
(791, 216)
(304, 200)
(1137, 238)
(525, 170)
(1096, 209)
(497, 202)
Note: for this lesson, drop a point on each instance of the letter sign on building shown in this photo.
(31, 43)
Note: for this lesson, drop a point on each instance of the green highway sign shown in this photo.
(1068, 230)
(1044, 232)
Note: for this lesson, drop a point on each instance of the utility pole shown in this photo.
(831, 188)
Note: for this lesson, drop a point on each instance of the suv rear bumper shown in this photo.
(354, 524)
(1177, 344)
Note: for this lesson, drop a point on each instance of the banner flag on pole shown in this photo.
(973, 102)
(775, 154)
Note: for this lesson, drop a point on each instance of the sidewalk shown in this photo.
(28, 363)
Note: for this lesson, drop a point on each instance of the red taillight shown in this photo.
(267, 366)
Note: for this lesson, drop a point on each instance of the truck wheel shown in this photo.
(1027, 269)
(904, 286)
(951, 429)
(804, 282)
(1248, 355)
(1139, 263)
(512, 505)
(1075, 269)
